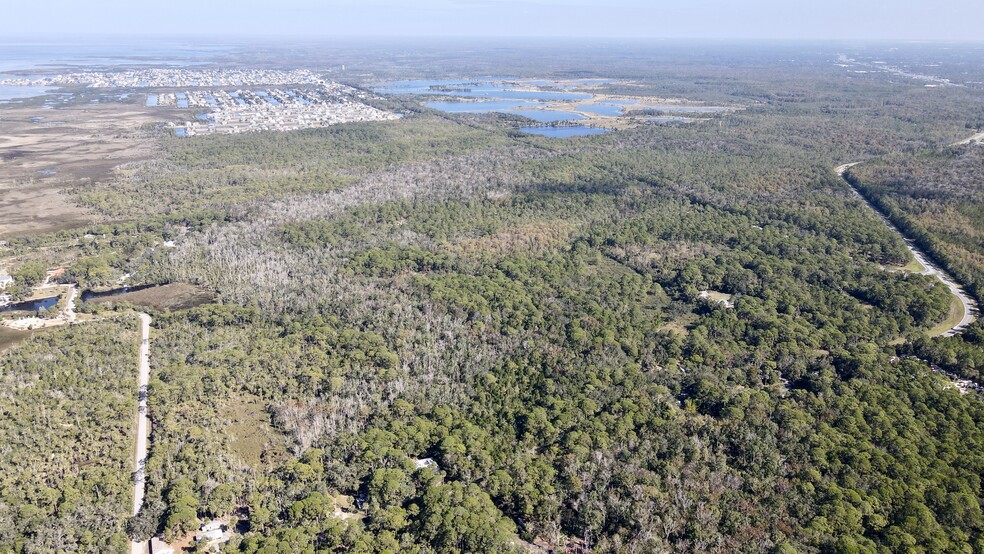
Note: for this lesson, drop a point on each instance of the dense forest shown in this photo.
(935, 196)
(67, 406)
(440, 335)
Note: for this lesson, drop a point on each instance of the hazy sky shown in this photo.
(767, 19)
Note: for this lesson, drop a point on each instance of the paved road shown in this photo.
(969, 304)
(140, 455)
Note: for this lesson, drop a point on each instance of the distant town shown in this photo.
(171, 78)
(285, 109)
(302, 100)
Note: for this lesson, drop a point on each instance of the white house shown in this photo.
(5, 280)
(212, 531)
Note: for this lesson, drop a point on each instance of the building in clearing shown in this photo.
(157, 546)
(5, 281)
(211, 531)
(427, 463)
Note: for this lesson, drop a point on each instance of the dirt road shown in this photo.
(969, 304)
(143, 434)
(979, 137)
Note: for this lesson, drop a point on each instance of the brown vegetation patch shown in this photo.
(249, 433)
(83, 144)
(9, 337)
(174, 296)
(526, 237)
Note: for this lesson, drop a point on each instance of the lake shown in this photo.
(31, 305)
(480, 107)
(546, 116)
(13, 92)
(702, 109)
(481, 88)
(564, 132)
(603, 109)
(669, 119)
(92, 295)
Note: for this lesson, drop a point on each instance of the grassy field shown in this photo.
(10, 337)
(175, 296)
(912, 267)
(250, 435)
(956, 314)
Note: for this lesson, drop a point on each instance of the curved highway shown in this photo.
(969, 304)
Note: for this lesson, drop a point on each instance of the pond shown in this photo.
(477, 89)
(266, 97)
(546, 116)
(92, 295)
(669, 119)
(151, 100)
(181, 132)
(31, 305)
(701, 109)
(564, 132)
(603, 109)
(480, 107)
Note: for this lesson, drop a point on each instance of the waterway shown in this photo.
(92, 295)
(12, 92)
(480, 88)
(564, 132)
(695, 109)
(481, 107)
(546, 116)
(603, 109)
(31, 305)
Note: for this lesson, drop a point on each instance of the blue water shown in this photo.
(47, 171)
(475, 89)
(546, 116)
(181, 132)
(181, 99)
(701, 109)
(298, 97)
(564, 132)
(12, 92)
(210, 100)
(668, 119)
(603, 109)
(31, 305)
(522, 94)
(24, 57)
(479, 107)
(269, 99)
(202, 117)
(90, 294)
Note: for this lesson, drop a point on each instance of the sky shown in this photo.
(956, 20)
